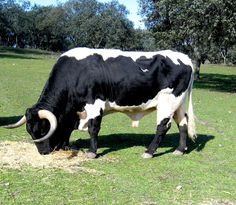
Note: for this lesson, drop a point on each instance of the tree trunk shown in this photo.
(224, 60)
(224, 53)
(16, 42)
(198, 61)
(8, 41)
(197, 68)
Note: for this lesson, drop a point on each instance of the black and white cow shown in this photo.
(87, 84)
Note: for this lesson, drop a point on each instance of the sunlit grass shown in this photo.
(206, 173)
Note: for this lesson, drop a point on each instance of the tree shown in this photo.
(117, 29)
(143, 40)
(14, 23)
(76, 23)
(99, 25)
(82, 18)
(224, 27)
(49, 27)
(3, 22)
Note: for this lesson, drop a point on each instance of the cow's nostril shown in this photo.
(44, 152)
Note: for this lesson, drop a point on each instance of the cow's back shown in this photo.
(128, 78)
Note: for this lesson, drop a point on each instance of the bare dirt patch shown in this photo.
(16, 155)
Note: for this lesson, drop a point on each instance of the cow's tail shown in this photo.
(191, 119)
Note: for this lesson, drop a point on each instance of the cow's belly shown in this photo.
(135, 112)
(112, 106)
(135, 115)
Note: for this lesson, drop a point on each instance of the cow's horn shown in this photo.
(45, 114)
(17, 124)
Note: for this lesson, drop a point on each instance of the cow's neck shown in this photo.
(54, 100)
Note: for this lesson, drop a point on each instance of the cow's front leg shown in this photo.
(94, 126)
(162, 129)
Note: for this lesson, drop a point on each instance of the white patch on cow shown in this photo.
(82, 53)
(144, 70)
(183, 122)
(165, 102)
(180, 117)
(178, 153)
(83, 125)
(176, 56)
(147, 156)
(168, 104)
(135, 123)
(91, 111)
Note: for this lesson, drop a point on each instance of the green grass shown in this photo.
(206, 173)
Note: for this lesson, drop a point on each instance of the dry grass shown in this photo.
(15, 155)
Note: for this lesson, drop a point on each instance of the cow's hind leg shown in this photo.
(167, 105)
(94, 126)
(180, 118)
(162, 129)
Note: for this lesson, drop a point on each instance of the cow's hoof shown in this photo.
(91, 155)
(66, 148)
(178, 153)
(147, 155)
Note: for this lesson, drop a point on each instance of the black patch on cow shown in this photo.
(94, 126)
(144, 63)
(162, 129)
(118, 79)
(183, 131)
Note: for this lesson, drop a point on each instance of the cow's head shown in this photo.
(46, 131)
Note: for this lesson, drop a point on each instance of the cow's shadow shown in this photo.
(115, 142)
(9, 120)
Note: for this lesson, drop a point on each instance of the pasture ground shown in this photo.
(205, 175)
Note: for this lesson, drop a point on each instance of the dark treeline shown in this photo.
(75, 23)
(206, 30)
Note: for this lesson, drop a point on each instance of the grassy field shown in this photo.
(205, 175)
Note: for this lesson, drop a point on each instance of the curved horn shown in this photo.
(17, 124)
(45, 114)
